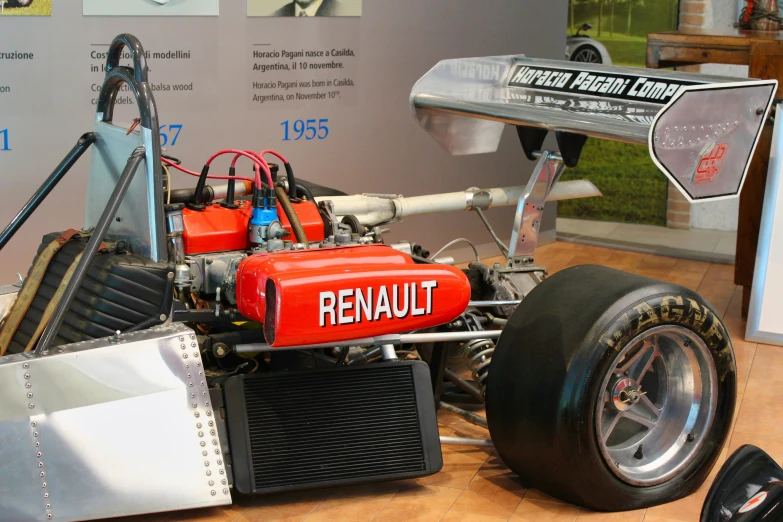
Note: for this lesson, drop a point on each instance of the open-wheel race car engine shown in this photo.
(257, 335)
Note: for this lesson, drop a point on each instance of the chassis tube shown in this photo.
(62, 169)
(371, 210)
(93, 245)
(380, 340)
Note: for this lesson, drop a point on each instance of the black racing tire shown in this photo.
(587, 54)
(21, 3)
(553, 361)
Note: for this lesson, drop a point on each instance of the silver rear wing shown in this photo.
(701, 130)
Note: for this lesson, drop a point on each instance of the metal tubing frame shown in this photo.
(93, 245)
(463, 385)
(530, 208)
(43, 191)
(471, 417)
(461, 441)
(378, 341)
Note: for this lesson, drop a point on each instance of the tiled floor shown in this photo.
(475, 486)
(707, 244)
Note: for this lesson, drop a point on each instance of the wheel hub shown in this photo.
(625, 393)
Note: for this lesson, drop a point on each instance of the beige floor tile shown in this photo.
(771, 443)
(418, 503)
(534, 494)
(287, 507)
(354, 504)
(460, 465)
(543, 511)
(686, 509)
(622, 516)
(493, 492)
(761, 411)
(719, 272)
(689, 280)
(690, 266)
(216, 514)
(454, 515)
(768, 365)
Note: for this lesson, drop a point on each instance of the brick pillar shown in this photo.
(678, 210)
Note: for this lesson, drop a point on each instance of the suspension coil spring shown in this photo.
(478, 354)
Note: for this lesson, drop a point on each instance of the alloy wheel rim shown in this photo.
(656, 405)
(587, 55)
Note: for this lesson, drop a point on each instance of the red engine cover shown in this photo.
(323, 296)
(218, 229)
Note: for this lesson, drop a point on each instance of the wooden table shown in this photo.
(762, 51)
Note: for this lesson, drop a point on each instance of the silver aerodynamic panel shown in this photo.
(111, 427)
(701, 130)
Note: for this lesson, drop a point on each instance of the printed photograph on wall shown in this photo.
(150, 7)
(304, 8)
(25, 7)
(615, 32)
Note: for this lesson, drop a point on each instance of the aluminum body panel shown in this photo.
(107, 428)
(706, 152)
(139, 220)
(8, 295)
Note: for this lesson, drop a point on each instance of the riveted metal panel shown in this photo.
(108, 428)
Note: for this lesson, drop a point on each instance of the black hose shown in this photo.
(292, 188)
(304, 191)
(342, 356)
(186, 195)
(239, 337)
(288, 208)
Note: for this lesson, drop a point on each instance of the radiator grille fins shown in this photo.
(334, 426)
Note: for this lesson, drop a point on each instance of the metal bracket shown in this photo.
(530, 209)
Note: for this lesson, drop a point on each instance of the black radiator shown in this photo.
(336, 426)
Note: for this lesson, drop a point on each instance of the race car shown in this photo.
(255, 335)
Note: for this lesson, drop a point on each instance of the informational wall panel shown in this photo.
(329, 92)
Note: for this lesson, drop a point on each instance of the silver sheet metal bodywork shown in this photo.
(465, 103)
(107, 428)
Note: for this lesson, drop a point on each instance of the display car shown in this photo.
(582, 48)
(257, 335)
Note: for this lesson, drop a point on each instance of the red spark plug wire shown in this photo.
(210, 176)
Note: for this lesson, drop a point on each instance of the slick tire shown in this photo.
(610, 390)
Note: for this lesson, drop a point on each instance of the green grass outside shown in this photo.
(37, 8)
(625, 50)
(634, 190)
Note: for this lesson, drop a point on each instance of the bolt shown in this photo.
(26, 365)
(119, 219)
(759, 112)
(209, 261)
(691, 437)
